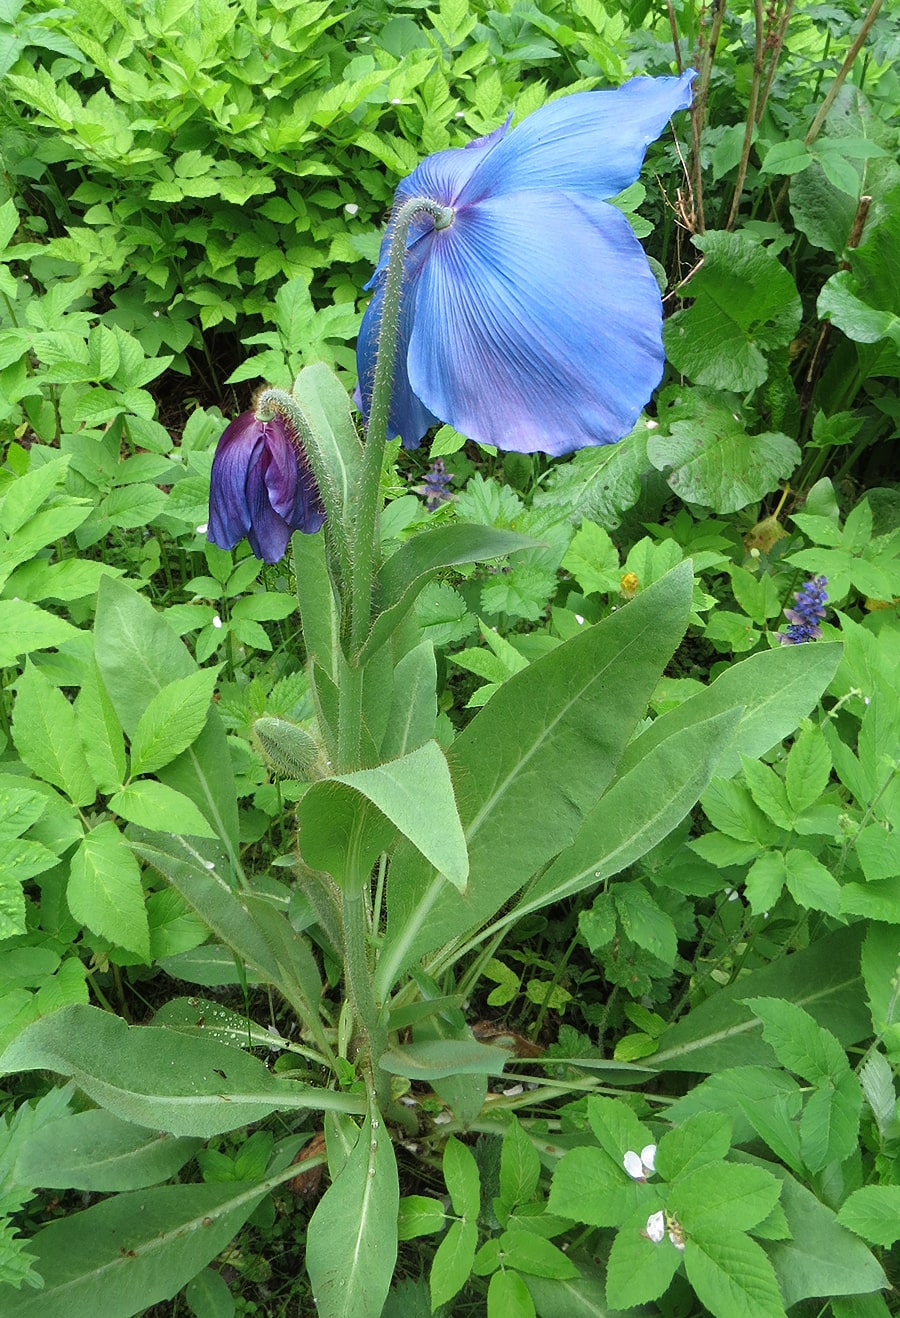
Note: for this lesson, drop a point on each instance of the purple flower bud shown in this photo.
(807, 613)
(262, 487)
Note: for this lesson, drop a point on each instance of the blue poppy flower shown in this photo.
(533, 320)
(261, 487)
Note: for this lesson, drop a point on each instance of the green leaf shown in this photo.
(808, 769)
(821, 1257)
(403, 575)
(732, 1275)
(623, 826)
(452, 1263)
(799, 1043)
(96, 1151)
(745, 304)
(105, 891)
(462, 1179)
(415, 792)
(158, 1078)
(131, 1251)
(139, 655)
(172, 721)
(434, 1059)
(700, 1139)
(101, 733)
(593, 559)
(639, 1269)
(873, 1212)
(773, 690)
(25, 628)
(645, 922)
(419, 1215)
(810, 884)
(530, 765)
(723, 1032)
(508, 1296)
(715, 461)
(352, 1236)
(829, 1126)
(153, 805)
(790, 157)
(414, 703)
(723, 1195)
(588, 1186)
(45, 732)
(520, 1167)
(532, 1254)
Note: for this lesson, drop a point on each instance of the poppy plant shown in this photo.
(261, 487)
(530, 318)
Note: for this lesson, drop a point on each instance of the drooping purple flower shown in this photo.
(533, 320)
(807, 613)
(262, 487)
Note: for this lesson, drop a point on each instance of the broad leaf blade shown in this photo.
(130, 1251)
(352, 1237)
(532, 763)
(158, 1078)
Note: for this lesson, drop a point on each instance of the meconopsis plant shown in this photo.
(512, 301)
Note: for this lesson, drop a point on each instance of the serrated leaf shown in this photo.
(105, 892)
(802, 1046)
(639, 1269)
(873, 1212)
(810, 884)
(154, 805)
(703, 1138)
(45, 733)
(829, 1126)
(808, 769)
(723, 1194)
(732, 1275)
(520, 1166)
(172, 721)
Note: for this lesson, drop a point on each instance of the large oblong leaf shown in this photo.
(158, 1078)
(130, 1251)
(532, 763)
(640, 809)
(94, 1150)
(351, 1242)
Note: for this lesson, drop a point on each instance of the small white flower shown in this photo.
(351, 208)
(640, 1165)
(395, 100)
(656, 1227)
(633, 1165)
(217, 621)
(677, 1238)
(203, 528)
(579, 619)
(651, 425)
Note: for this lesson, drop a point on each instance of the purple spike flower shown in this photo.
(262, 487)
(532, 321)
(435, 489)
(807, 613)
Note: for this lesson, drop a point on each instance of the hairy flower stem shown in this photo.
(359, 986)
(366, 537)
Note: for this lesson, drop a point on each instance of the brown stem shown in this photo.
(816, 125)
(777, 45)
(698, 109)
(759, 56)
(673, 24)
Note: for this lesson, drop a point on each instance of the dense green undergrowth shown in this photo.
(683, 935)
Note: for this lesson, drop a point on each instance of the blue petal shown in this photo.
(440, 177)
(408, 417)
(590, 142)
(537, 326)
